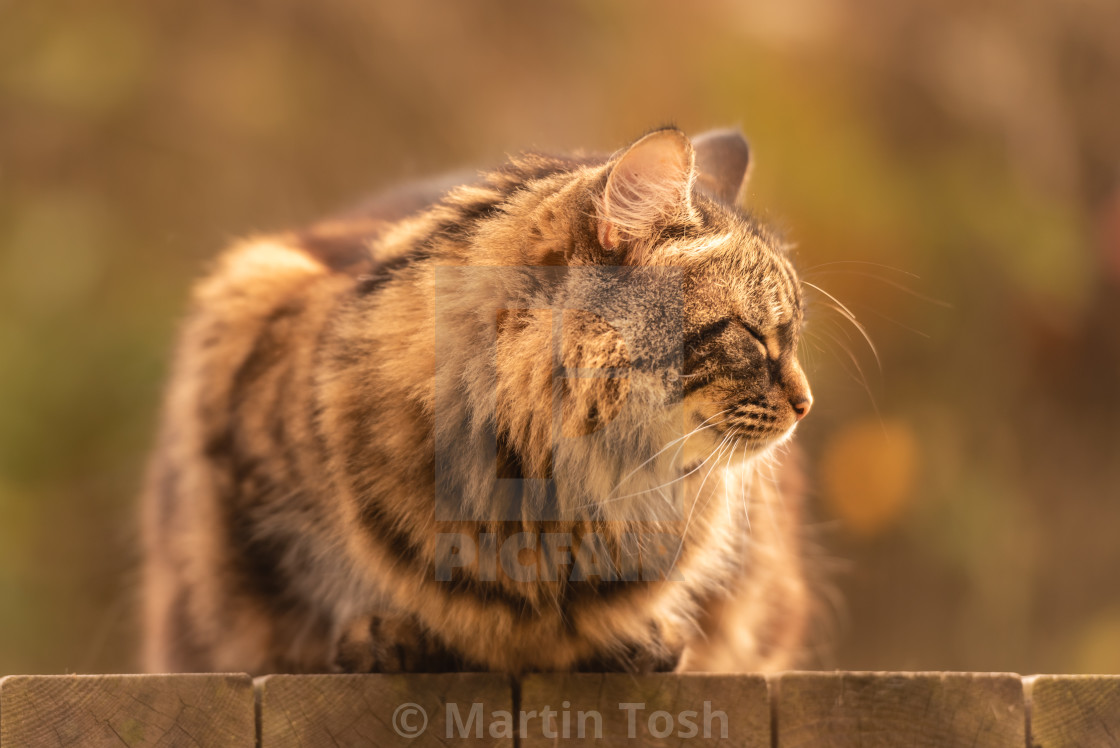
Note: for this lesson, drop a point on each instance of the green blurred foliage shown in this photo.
(949, 170)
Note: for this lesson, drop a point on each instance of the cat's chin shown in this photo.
(771, 446)
(717, 435)
(768, 445)
(738, 449)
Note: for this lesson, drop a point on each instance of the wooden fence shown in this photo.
(789, 710)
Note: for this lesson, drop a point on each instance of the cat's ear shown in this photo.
(649, 186)
(722, 162)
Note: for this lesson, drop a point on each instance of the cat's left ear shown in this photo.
(649, 186)
(722, 163)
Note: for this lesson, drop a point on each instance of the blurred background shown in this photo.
(948, 169)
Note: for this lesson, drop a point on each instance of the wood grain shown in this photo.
(981, 710)
(676, 710)
(901, 709)
(1074, 710)
(131, 710)
(362, 710)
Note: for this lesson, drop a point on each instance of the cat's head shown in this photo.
(669, 202)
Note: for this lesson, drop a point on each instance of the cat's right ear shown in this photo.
(648, 187)
(722, 164)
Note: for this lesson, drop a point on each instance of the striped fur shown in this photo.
(291, 507)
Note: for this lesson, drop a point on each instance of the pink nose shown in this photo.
(801, 406)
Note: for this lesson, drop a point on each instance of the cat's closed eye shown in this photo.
(717, 339)
(757, 337)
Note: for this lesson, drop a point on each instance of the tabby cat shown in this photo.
(519, 421)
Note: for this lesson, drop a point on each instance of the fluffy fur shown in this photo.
(584, 359)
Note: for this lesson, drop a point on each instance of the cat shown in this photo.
(519, 421)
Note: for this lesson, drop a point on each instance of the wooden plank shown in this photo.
(1074, 710)
(133, 710)
(385, 710)
(650, 710)
(900, 709)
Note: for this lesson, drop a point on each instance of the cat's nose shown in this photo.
(801, 405)
(798, 392)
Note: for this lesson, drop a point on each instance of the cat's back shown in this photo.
(237, 439)
(257, 285)
(234, 360)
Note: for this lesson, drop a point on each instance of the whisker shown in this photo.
(730, 461)
(701, 427)
(699, 491)
(832, 333)
(805, 353)
(860, 262)
(769, 463)
(743, 492)
(862, 378)
(851, 317)
(894, 284)
(858, 375)
(670, 482)
(895, 322)
(843, 345)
